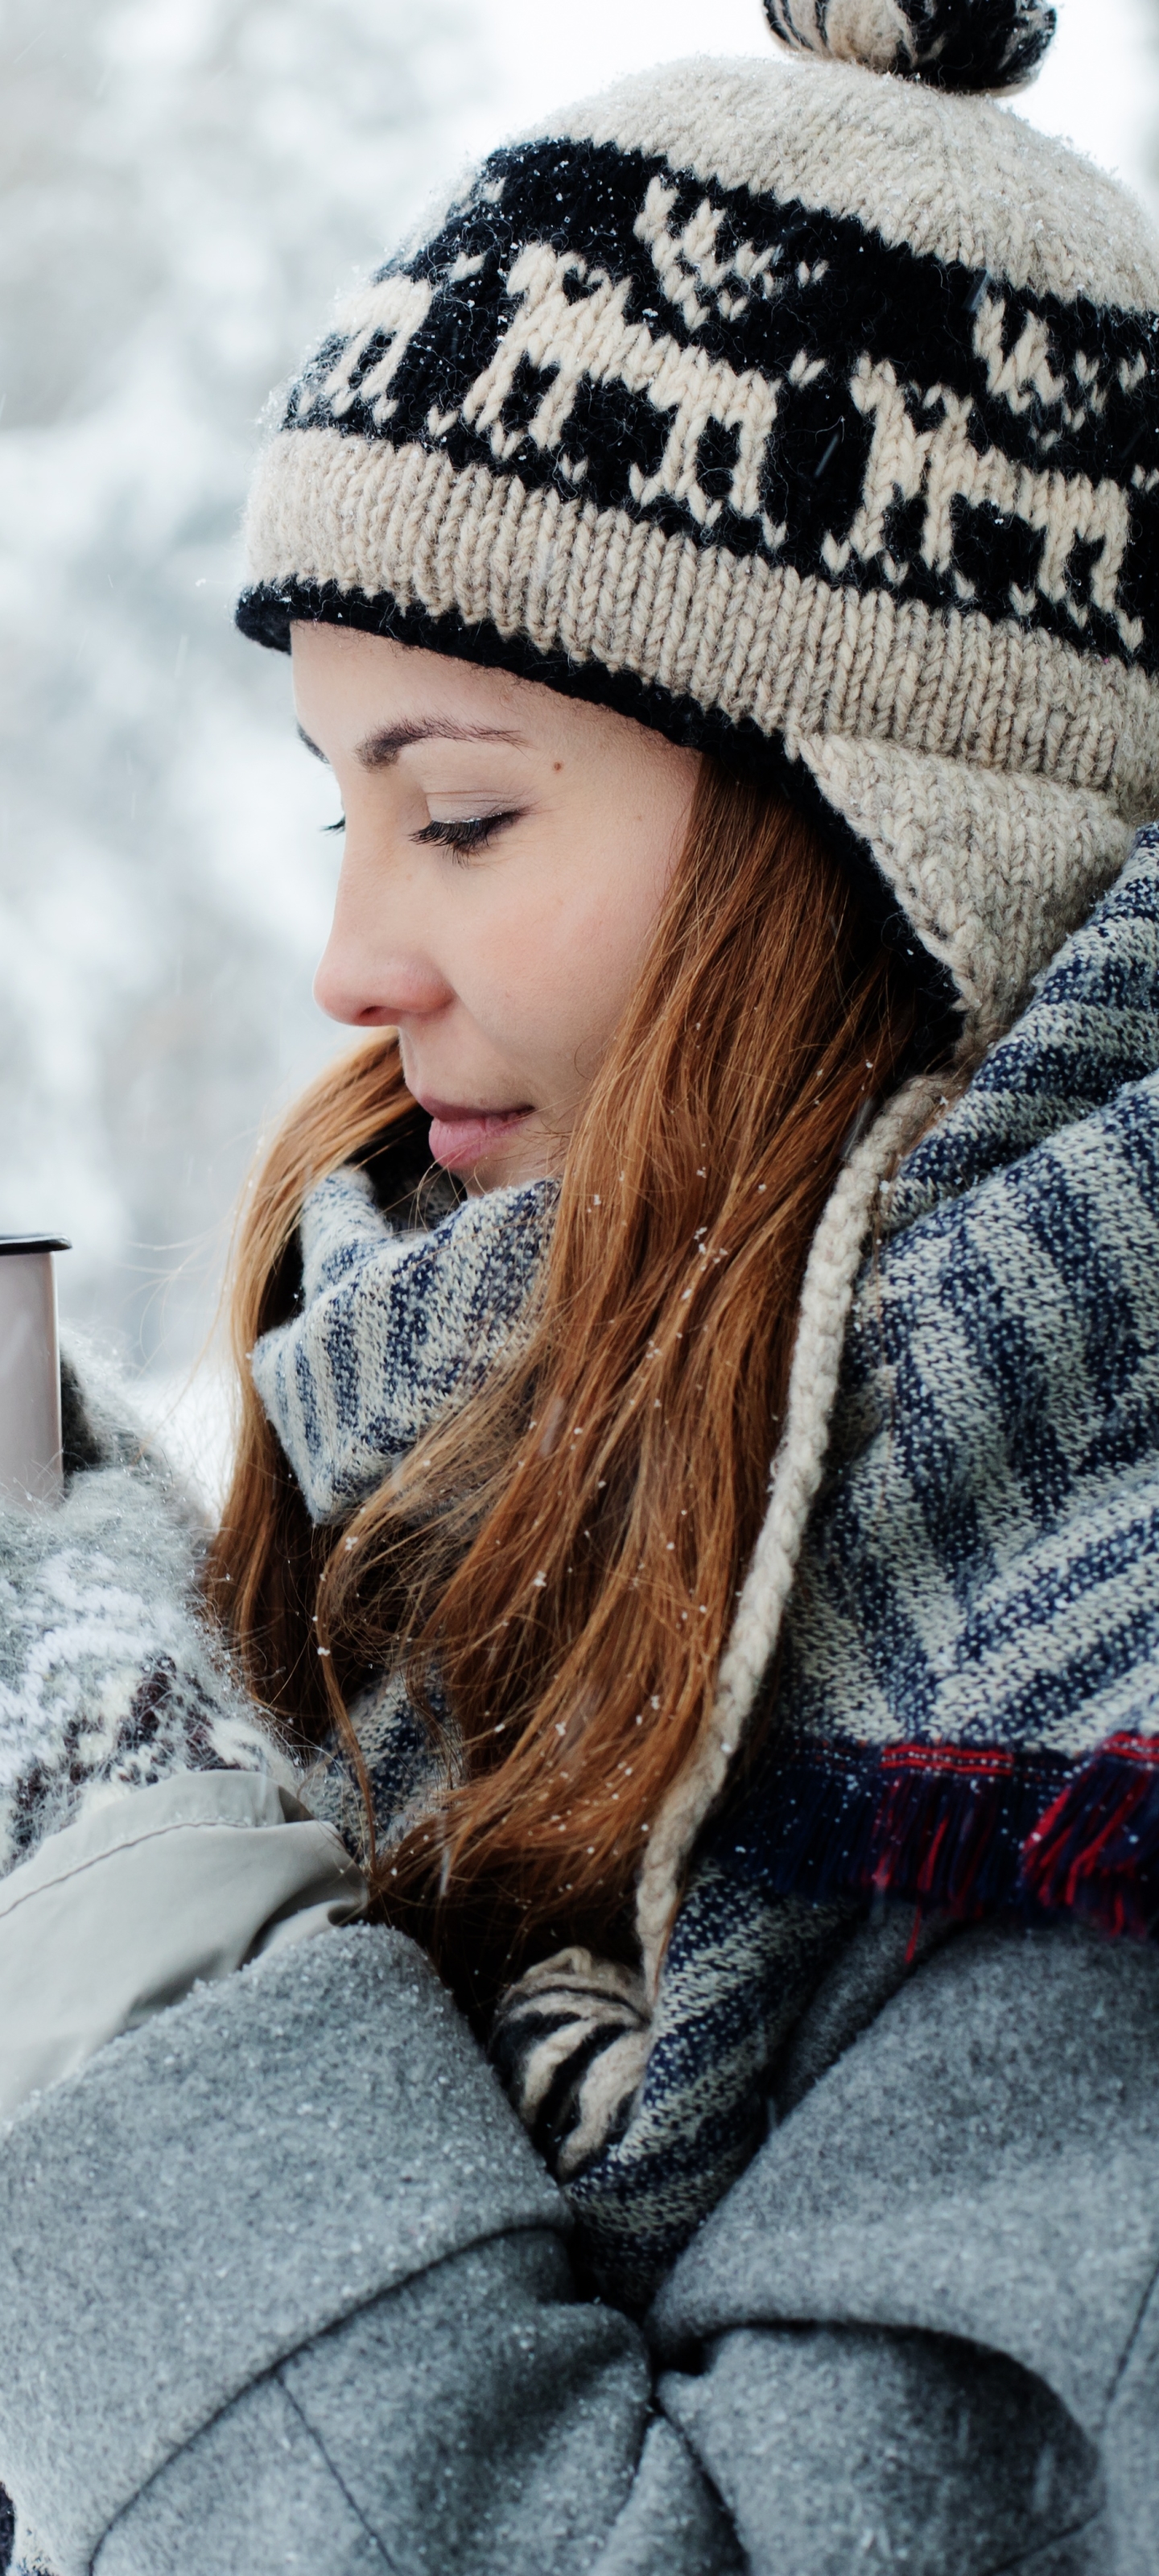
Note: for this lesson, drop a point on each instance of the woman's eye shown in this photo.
(339, 826)
(473, 832)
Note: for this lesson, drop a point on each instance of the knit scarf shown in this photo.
(966, 1706)
(395, 1328)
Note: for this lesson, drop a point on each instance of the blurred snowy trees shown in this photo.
(184, 184)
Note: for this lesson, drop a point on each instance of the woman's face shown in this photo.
(507, 851)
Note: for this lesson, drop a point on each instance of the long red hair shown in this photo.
(559, 1567)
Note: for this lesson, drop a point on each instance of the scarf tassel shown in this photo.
(949, 1832)
(941, 1828)
(1095, 1853)
(964, 1833)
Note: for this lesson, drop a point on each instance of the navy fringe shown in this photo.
(961, 1831)
(1095, 1852)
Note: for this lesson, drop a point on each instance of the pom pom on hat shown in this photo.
(951, 44)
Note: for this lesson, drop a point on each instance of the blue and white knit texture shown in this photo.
(983, 1569)
(394, 1328)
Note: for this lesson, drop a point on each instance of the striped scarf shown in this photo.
(965, 1713)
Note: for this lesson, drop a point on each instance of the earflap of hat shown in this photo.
(991, 869)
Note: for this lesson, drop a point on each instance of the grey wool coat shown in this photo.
(283, 2285)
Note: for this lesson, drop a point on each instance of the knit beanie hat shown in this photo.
(804, 410)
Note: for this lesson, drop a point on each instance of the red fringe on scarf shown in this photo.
(955, 1830)
(1095, 1852)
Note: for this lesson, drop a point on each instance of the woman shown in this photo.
(716, 563)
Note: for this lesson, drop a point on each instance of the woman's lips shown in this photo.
(460, 1138)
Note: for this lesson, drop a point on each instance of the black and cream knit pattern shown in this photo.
(722, 405)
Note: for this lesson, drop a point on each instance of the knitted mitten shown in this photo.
(109, 1678)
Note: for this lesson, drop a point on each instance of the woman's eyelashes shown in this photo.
(469, 832)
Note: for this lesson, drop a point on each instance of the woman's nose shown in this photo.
(374, 973)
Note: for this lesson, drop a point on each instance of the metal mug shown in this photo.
(31, 1467)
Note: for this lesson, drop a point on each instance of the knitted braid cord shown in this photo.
(826, 1296)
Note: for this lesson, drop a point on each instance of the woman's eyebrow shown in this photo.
(380, 749)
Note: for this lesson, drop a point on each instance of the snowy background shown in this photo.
(184, 184)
